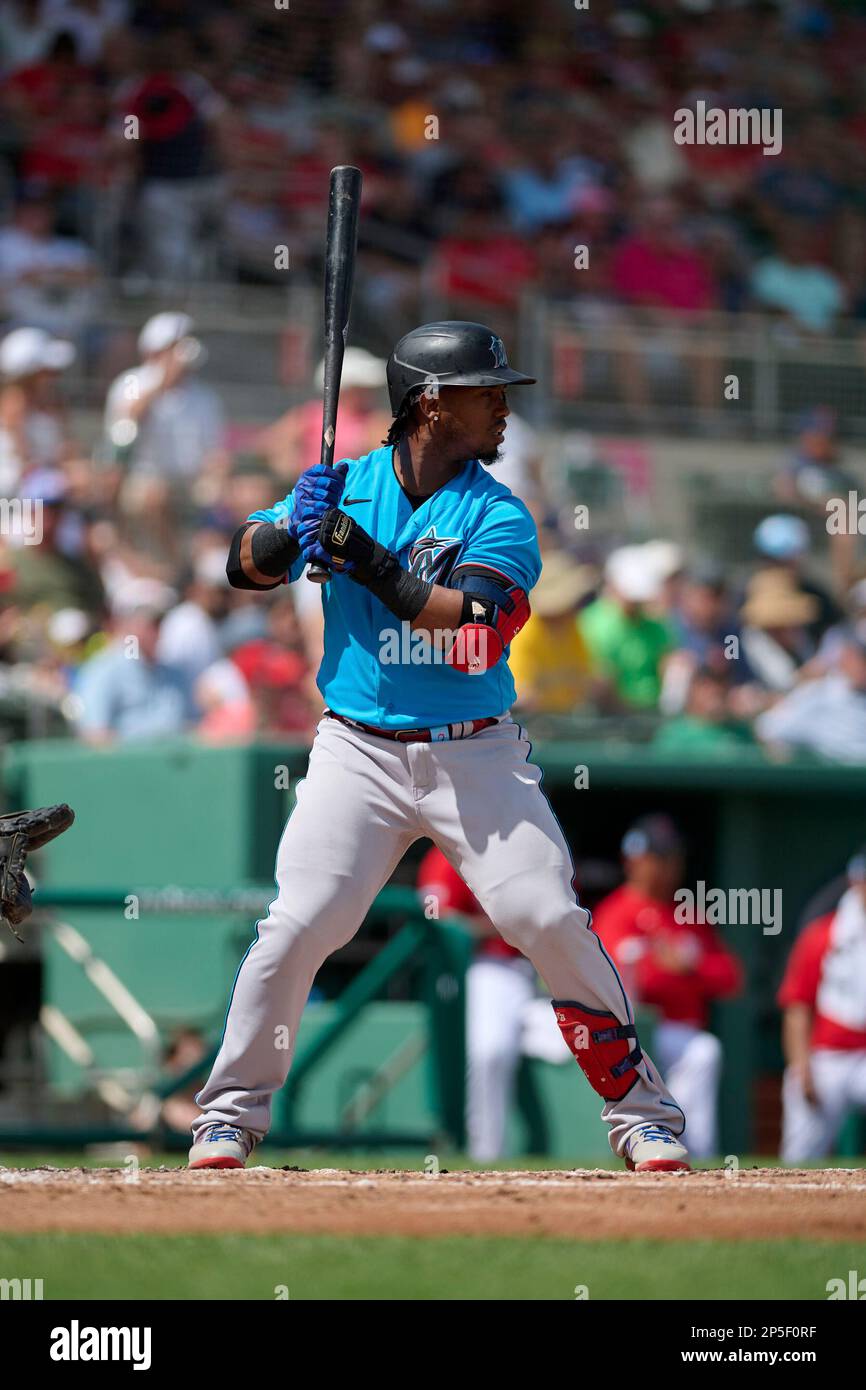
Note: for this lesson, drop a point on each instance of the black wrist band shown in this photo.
(273, 549)
(403, 593)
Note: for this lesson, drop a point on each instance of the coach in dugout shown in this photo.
(823, 1002)
(675, 967)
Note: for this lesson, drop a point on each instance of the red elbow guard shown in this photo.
(477, 647)
(487, 629)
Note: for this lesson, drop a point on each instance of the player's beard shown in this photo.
(450, 434)
(490, 458)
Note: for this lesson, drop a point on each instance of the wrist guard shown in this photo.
(351, 548)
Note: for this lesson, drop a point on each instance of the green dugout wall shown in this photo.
(181, 814)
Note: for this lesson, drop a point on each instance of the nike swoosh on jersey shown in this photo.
(353, 501)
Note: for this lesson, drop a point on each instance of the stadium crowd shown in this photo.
(145, 147)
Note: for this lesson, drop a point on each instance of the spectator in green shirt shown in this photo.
(705, 727)
(628, 644)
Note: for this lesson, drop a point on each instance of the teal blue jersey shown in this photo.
(375, 669)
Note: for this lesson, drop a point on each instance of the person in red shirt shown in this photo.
(823, 1002)
(506, 1018)
(678, 968)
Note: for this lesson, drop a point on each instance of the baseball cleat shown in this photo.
(221, 1146)
(654, 1149)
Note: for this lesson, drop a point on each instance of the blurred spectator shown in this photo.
(177, 159)
(46, 281)
(826, 715)
(36, 92)
(806, 296)
(189, 638)
(505, 1017)
(294, 442)
(626, 644)
(783, 542)
(813, 472)
(90, 22)
(229, 712)
(69, 155)
(705, 726)
(664, 280)
(125, 692)
(823, 1001)
(520, 466)
(33, 425)
(546, 181)
(676, 967)
(657, 272)
(480, 269)
(775, 639)
(703, 619)
(25, 32)
(165, 425)
(55, 573)
(549, 657)
(279, 675)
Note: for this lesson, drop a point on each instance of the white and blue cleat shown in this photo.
(654, 1149)
(221, 1146)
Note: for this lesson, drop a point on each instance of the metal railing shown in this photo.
(437, 946)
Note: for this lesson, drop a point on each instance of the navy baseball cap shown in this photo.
(655, 834)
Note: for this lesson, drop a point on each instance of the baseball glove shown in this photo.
(20, 832)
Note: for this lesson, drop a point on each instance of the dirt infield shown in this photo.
(756, 1204)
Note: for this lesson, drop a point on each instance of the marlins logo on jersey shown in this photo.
(432, 557)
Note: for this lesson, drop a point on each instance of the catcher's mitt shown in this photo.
(19, 832)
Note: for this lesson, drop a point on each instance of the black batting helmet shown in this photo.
(452, 353)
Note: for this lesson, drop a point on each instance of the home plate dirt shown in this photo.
(583, 1204)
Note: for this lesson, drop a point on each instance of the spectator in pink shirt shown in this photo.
(668, 282)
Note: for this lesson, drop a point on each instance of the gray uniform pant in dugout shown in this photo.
(364, 801)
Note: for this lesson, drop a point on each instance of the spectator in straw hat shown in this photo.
(775, 639)
(549, 658)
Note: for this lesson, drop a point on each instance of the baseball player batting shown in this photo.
(431, 565)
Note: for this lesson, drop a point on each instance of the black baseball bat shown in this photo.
(344, 202)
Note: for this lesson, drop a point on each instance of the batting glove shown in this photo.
(316, 491)
(309, 539)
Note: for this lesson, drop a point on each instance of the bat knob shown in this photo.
(318, 574)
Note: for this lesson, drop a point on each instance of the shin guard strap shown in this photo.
(600, 1044)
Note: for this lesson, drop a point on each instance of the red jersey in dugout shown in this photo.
(629, 923)
(826, 971)
(438, 877)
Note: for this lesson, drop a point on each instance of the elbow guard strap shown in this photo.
(487, 626)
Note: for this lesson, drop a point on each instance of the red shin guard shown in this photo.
(600, 1044)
